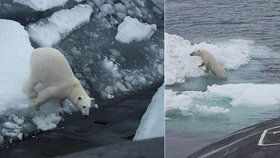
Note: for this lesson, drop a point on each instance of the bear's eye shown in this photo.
(84, 107)
(79, 98)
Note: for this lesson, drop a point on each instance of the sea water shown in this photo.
(243, 37)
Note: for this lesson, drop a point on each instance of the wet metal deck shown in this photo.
(112, 123)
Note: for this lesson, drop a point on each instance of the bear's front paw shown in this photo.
(33, 94)
(36, 108)
(61, 103)
(34, 104)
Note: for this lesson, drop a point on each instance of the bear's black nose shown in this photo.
(85, 115)
(192, 54)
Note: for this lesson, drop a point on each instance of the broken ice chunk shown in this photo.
(46, 122)
(107, 9)
(48, 32)
(41, 5)
(131, 29)
(119, 8)
(11, 125)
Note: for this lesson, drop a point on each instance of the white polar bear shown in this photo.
(50, 68)
(210, 63)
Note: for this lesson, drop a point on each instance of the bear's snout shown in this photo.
(192, 54)
(85, 115)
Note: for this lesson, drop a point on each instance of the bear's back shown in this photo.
(48, 53)
(50, 66)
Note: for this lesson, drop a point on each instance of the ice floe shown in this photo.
(107, 9)
(49, 31)
(41, 5)
(248, 94)
(131, 29)
(14, 65)
(219, 99)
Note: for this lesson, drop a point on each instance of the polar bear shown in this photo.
(50, 68)
(210, 63)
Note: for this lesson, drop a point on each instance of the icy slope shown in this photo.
(14, 64)
(152, 123)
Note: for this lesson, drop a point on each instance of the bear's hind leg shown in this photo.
(61, 102)
(47, 94)
(28, 88)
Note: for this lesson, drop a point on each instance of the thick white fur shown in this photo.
(211, 64)
(50, 68)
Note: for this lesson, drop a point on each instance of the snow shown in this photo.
(205, 110)
(13, 76)
(110, 66)
(10, 125)
(187, 105)
(179, 64)
(15, 113)
(10, 132)
(131, 29)
(229, 95)
(49, 31)
(16, 119)
(248, 93)
(41, 5)
(123, 80)
(46, 122)
(152, 123)
(99, 3)
(119, 7)
(107, 9)
(14, 106)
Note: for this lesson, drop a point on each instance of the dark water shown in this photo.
(215, 21)
(198, 20)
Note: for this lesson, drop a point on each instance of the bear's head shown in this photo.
(84, 103)
(197, 53)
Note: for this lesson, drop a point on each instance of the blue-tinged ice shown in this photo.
(152, 123)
